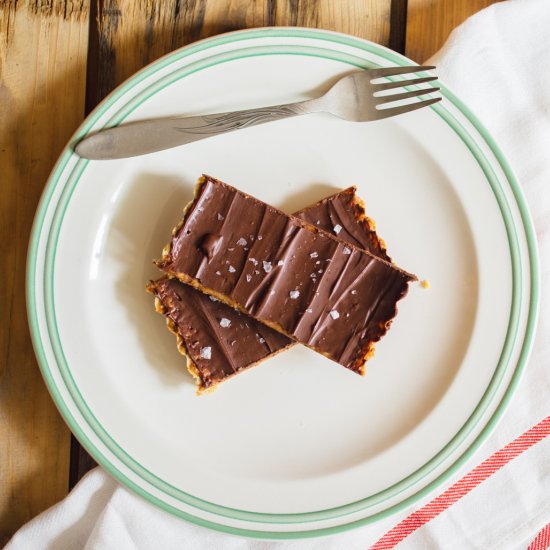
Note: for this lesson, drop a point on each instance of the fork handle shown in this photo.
(148, 136)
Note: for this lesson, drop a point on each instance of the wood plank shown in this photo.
(368, 19)
(42, 65)
(134, 33)
(429, 23)
(398, 25)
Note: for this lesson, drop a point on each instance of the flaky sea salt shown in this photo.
(267, 266)
(260, 237)
(220, 217)
(354, 291)
(337, 228)
(253, 260)
(213, 298)
(231, 269)
(242, 242)
(309, 310)
(314, 255)
(224, 323)
(334, 314)
(248, 278)
(206, 353)
(347, 250)
(280, 262)
(294, 294)
(218, 273)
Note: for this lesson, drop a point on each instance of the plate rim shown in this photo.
(524, 215)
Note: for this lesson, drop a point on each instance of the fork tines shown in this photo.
(383, 99)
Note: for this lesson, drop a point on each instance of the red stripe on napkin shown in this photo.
(463, 486)
(542, 540)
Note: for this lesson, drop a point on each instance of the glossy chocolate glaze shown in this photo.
(346, 210)
(317, 289)
(202, 322)
(235, 341)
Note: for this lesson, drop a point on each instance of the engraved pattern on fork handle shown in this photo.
(227, 122)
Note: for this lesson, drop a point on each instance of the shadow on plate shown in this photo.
(151, 206)
(302, 199)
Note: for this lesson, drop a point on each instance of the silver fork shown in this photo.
(353, 97)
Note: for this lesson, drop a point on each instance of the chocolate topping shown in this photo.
(347, 213)
(252, 342)
(211, 244)
(234, 340)
(325, 293)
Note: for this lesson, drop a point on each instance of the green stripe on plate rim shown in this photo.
(151, 478)
(142, 472)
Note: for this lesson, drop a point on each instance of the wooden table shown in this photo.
(58, 59)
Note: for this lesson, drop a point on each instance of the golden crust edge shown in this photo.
(191, 367)
(369, 222)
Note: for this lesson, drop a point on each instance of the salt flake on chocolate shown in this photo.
(294, 294)
(206, 353)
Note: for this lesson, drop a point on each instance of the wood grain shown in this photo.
(132, 33)
(429, 23)
(42, 65)
(364, 18)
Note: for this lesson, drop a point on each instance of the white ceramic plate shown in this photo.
(297, 446)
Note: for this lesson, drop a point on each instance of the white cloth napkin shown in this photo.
(498, 62)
